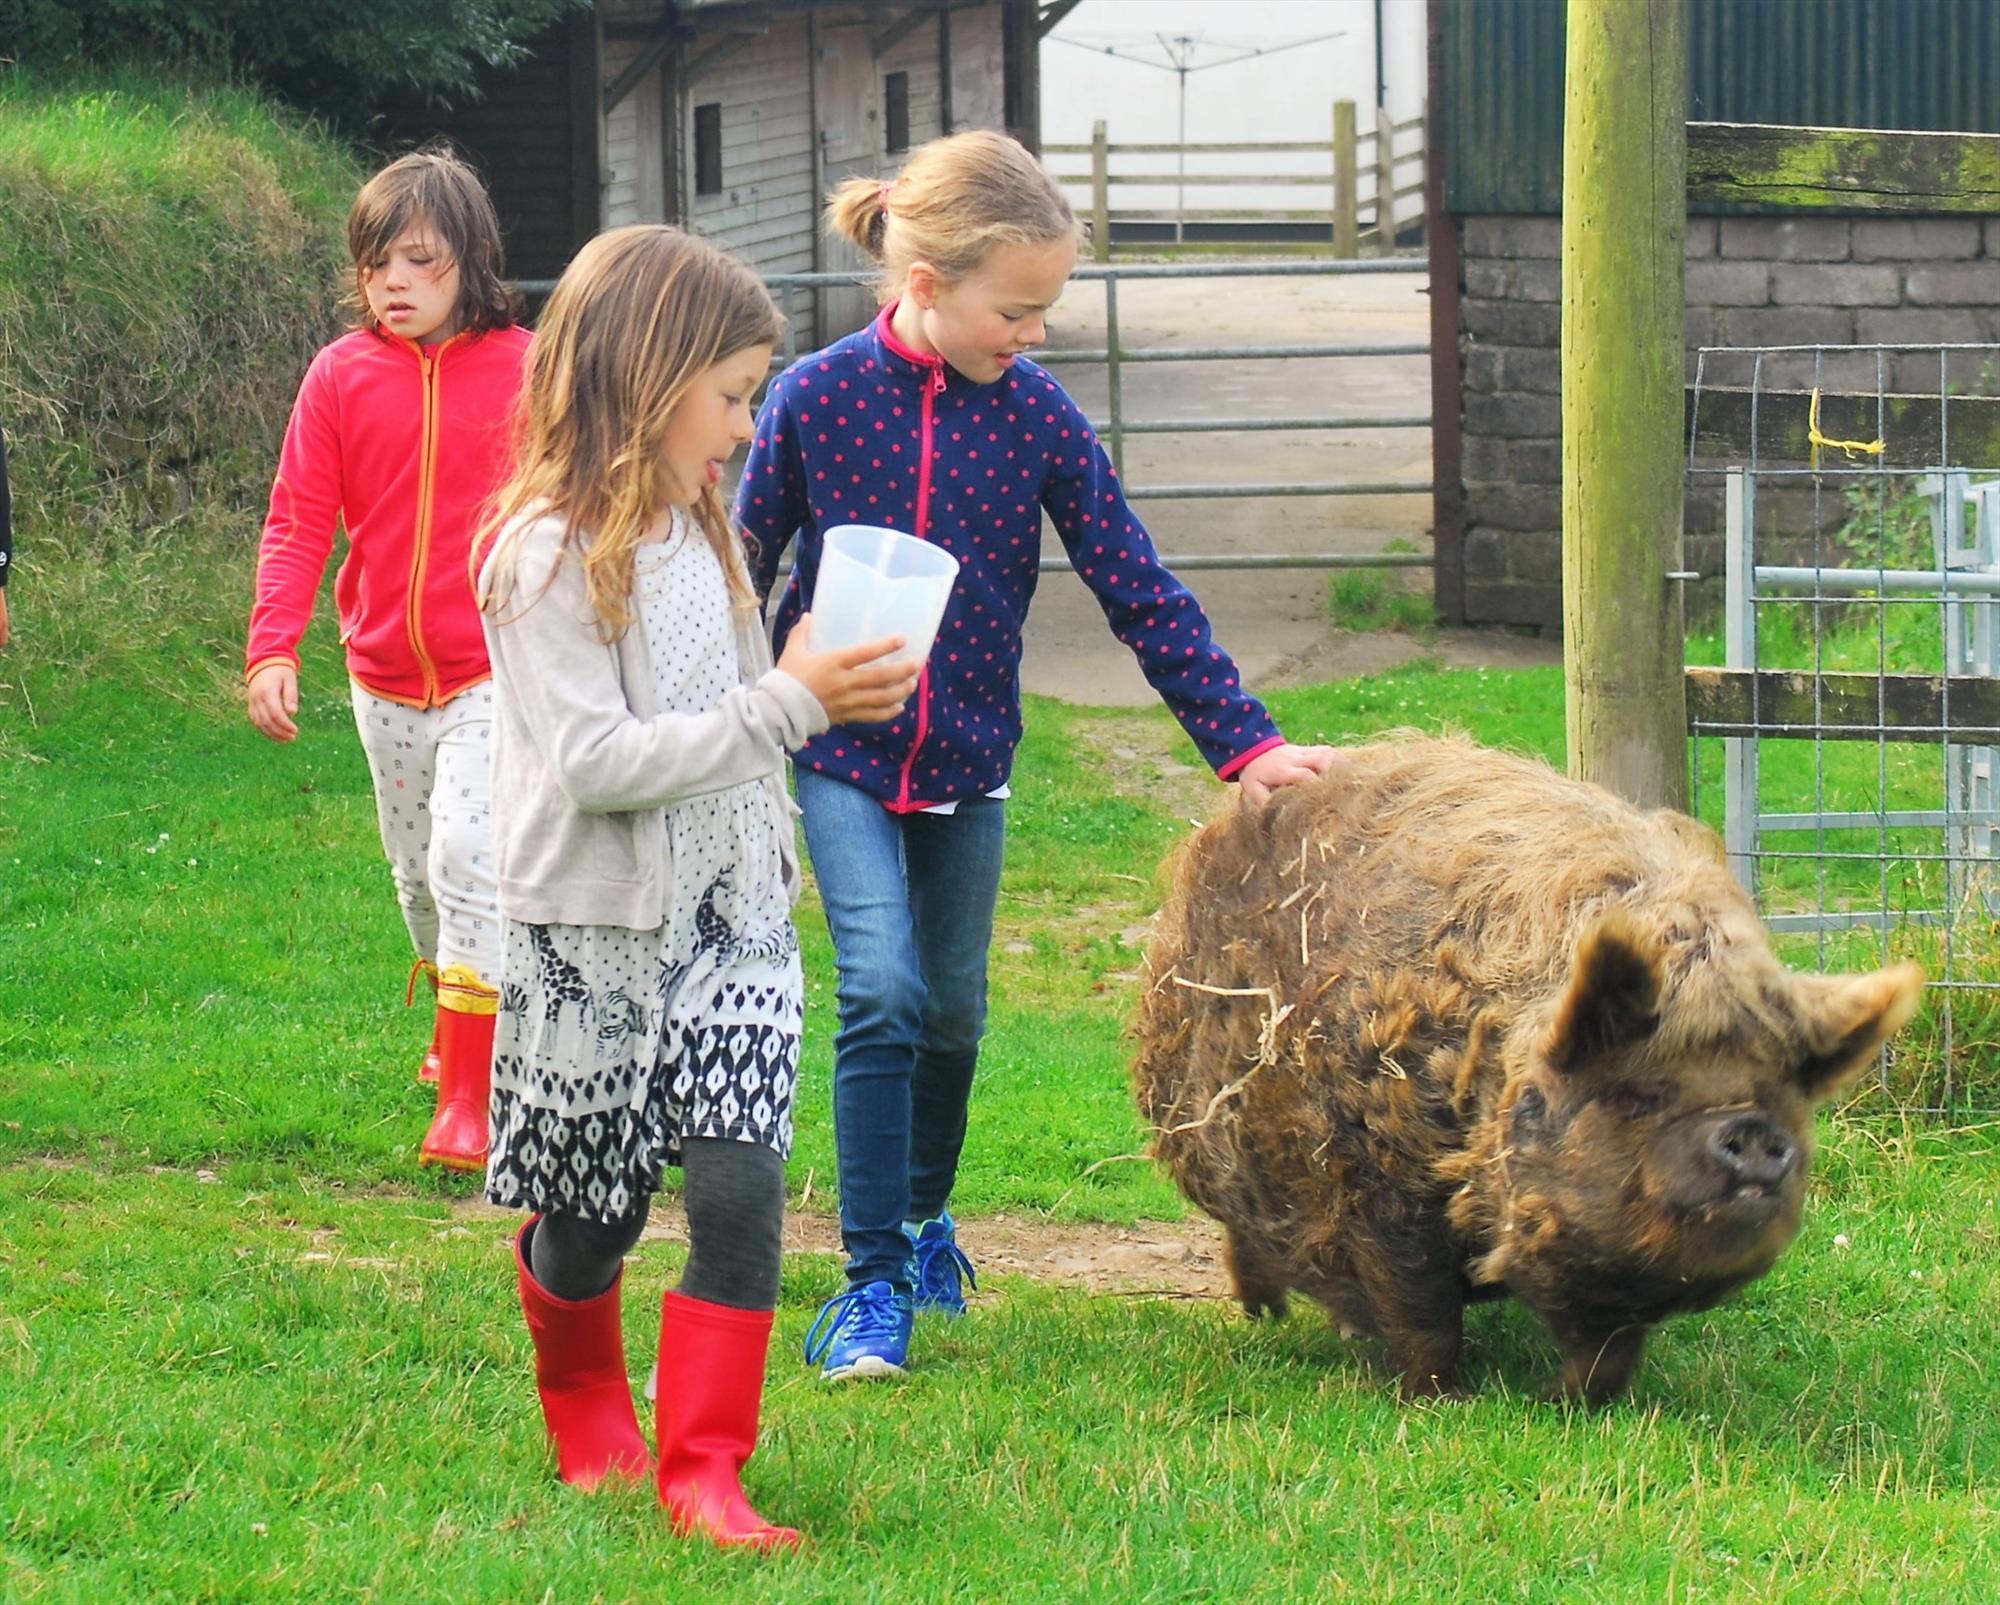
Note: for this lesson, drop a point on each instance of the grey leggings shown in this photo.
(735, 1194)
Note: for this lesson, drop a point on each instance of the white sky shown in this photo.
(1288, 95)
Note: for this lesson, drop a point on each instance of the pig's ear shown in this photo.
(1613, 996)
(1845, 1019)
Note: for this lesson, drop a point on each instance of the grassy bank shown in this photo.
(168, 262)
(166, 270)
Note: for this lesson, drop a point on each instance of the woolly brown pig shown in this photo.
(1448, 1026)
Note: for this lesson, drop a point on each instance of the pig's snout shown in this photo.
(1752, 1150)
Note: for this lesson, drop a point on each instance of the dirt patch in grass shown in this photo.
(1166, 1259)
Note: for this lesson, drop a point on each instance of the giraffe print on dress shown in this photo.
(711, 930)
(559, 984)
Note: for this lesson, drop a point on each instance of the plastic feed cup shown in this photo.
(876, 582)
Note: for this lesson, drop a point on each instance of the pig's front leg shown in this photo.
(1598, 1362)
(1260, 1282)
(1429, 1363)
(1422, 1320)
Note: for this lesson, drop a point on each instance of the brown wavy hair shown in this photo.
(955, 200)
(438, 187)
(638, 316)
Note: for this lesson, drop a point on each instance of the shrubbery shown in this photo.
(336, 59)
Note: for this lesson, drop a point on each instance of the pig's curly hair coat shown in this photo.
(1348, 989)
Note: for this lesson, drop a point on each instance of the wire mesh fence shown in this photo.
(1846, 742)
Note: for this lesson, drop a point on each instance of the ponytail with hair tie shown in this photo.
(955, 199)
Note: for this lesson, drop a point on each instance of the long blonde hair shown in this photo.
(957, 198)
(637, 317)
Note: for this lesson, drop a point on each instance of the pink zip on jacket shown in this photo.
(404, 446)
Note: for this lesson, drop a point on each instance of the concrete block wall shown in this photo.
(1751, 281)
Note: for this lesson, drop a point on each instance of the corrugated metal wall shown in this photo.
(1831, 63)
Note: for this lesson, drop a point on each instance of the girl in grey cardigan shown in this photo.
(651, 994)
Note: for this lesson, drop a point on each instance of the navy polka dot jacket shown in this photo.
(869, 432)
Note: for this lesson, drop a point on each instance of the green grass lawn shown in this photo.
(248, 1351)
(262, 1386)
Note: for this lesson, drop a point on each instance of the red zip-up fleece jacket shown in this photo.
(404, 446)
(870, 432)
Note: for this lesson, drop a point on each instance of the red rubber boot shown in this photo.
(580, 1375)
(465, 1018)
(711, 1388)
(429, 1068)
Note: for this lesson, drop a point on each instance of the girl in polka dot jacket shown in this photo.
(933, 421)
(650, 988)
(399, 437)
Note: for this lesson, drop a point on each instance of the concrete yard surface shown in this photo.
(1278, 624)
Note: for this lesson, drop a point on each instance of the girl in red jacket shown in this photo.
(400, 435)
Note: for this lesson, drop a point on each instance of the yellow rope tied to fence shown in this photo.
(1874, 448)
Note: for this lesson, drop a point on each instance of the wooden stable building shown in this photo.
(734, 117)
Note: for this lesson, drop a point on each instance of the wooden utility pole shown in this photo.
(1623, 331)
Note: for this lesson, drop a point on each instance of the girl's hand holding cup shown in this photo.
(855, 684)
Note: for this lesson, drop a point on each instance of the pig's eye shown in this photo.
(1530, 1109)
(1634, 1103)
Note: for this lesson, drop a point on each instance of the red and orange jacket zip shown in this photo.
(404, 447)
(870, 432)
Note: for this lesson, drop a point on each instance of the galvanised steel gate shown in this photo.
(1116, 428)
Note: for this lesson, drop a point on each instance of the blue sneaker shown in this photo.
(865, 1332)
(936, 1265)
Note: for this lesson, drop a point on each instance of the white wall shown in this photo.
(1286, 95)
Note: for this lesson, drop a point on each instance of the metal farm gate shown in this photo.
(1848, 739)
(1116, 428)
(796, 293)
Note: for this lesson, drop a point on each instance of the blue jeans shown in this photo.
(909, 899)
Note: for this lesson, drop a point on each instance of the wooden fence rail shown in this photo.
(1349, 202)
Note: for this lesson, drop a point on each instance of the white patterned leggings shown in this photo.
(434, 802)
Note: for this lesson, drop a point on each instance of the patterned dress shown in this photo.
(613, 1045)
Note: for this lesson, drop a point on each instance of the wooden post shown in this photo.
(1345, 226)
(1623, 326)
(1385, 182)
(1100, 192)
(1424, 149)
